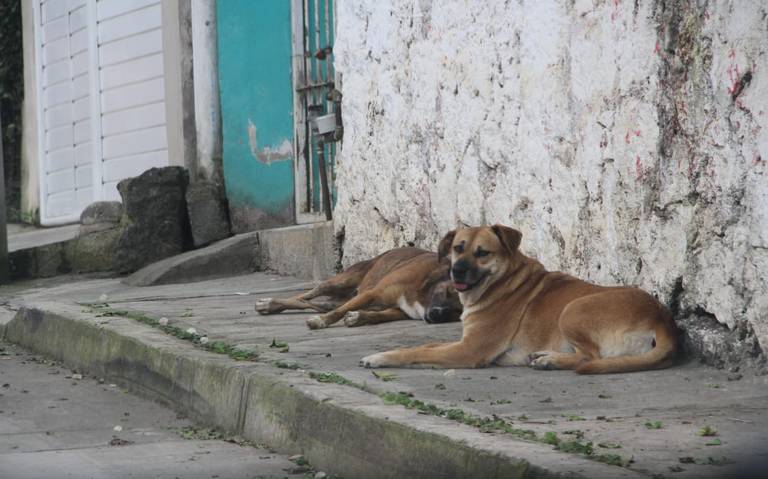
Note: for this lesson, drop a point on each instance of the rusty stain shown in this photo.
(267, 155)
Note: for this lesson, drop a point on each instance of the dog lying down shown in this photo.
(516, 313)
(403, 283)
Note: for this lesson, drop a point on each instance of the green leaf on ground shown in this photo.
(653, 425)
(281, 345)
(385, 376)
(609, 445)
(574, 417)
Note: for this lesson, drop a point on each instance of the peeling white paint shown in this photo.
(268, 154)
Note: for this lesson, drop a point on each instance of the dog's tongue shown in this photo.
(460, 286)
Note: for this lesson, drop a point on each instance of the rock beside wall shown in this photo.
(627, 140)
(155, 223)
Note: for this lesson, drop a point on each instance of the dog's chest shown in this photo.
(413, 311)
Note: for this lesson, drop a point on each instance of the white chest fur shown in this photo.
(414, 311)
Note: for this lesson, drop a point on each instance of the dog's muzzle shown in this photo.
(438, 314)
(463, 276)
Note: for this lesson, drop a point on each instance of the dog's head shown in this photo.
(479, 256)
(444, 305)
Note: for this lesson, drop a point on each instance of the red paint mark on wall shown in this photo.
(615, 12)
(630, 134)
(639, 171)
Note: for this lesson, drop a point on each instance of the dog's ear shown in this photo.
(444, 248)
(510, 238)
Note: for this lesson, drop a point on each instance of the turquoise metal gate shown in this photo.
(316, 96)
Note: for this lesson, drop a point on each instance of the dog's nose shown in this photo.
(459, 269)
(434, 315)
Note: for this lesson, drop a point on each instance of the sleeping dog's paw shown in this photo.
(316, 322)
(541, 360)
(352, 319)
(263, 305)
(373, 361)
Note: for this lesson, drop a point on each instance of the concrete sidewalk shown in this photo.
(306, 391)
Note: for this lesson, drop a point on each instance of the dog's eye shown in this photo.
(480, 253)
(459, 248)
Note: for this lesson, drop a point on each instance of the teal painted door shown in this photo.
(255, 81)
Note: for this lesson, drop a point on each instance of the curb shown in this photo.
(338, 429)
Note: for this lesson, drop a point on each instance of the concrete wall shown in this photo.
(206, 86)
(627, 140)
(179, 86)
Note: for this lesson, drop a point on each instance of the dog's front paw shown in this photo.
(316, 322)
(373, 361)
(352, 319)
(263, 305)
(541, 360)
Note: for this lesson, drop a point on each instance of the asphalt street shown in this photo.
(57, 423)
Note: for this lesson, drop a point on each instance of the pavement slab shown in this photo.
(648, 421)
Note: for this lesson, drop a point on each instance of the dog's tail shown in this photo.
(660, 357)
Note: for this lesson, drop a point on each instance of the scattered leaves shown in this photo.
(286, 365)
(385, 376)
(705, 461)
(614, 460)
(577, 447)
(116, 441)
(574, 417)
(707, 431)
(199, 433)
(551, 438)
(654, 425)
(281, 345)
(609, 445)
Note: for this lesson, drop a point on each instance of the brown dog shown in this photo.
(402, 283)
(517, 313)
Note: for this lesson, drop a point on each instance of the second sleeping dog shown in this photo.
(403, 283)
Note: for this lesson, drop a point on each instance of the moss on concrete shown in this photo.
(220, 347)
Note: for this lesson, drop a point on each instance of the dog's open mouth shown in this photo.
(461, 287)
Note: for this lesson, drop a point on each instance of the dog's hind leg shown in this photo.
(362, 318)
(555, 360)
(358, 302)
(329, 288)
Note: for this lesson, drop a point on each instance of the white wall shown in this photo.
(610, 140)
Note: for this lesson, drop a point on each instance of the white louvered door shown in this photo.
(101, 100)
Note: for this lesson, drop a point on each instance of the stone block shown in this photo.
(102, 212)
(155, 224)
(208, 215)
